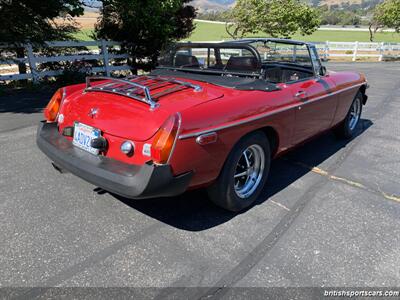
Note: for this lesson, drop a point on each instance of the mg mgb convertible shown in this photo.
(210, 115)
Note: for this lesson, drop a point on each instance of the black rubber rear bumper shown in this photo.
(131, 181)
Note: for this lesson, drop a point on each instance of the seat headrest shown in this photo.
(242, 63)
(182, 60)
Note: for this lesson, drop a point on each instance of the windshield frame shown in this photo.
(310, 47)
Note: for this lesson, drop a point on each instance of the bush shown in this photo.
(74, 72)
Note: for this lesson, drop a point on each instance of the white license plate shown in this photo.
(83, 135)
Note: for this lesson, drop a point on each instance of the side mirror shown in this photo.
(322, 71)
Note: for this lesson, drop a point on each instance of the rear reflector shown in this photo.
(208, 138)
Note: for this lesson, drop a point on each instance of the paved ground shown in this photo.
(329, 216)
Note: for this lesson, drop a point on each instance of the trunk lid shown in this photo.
(130, 118)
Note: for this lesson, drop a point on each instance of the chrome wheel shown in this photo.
(249, 171)
(355, 112)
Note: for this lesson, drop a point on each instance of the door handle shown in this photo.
(301, 94)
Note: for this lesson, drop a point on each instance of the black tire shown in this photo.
(344, 129)
(222, 192)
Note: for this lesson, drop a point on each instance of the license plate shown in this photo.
(83, 135)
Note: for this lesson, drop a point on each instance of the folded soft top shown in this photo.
(235, 82)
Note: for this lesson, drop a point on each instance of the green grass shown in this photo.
(216, 32)
(84, 35)
(211, 32)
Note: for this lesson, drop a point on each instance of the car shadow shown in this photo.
(193, 211)
(25, 102)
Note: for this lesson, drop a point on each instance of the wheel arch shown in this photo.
(266, 135)
(270, 132)
(363, 90)
(273, 138)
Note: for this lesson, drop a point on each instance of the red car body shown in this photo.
(289, 115)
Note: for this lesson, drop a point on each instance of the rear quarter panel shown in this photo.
(238, 113)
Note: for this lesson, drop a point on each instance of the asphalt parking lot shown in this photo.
(329, 216)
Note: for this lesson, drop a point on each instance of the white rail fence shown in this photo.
(102, 56)
(106, 59)
(356, 50)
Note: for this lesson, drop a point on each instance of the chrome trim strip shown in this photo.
(251, 119)
(331, 94)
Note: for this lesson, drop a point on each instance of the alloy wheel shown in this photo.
(249, 171)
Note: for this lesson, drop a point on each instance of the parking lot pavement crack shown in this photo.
(391, 197)
(280, 205)
(348, 182)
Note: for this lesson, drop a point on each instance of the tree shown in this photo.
(145, 27)
(35, 21)
(336, 17)
(277, 18)
(386, 14)
(222, 16)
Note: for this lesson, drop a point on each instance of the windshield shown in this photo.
(212, 58)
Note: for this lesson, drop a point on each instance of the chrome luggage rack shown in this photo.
(135, 87)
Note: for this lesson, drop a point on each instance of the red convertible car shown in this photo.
(211, 115)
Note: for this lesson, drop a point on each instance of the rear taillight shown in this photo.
(165, 138)
(53, 107)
